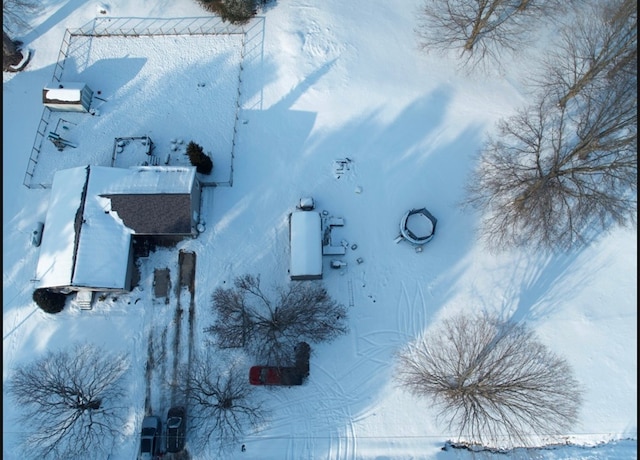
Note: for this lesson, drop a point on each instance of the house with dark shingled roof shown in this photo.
(95, 213)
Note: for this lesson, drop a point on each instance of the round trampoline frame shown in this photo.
(408, 235)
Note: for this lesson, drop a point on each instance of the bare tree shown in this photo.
(481, 29)
(554, 175)
(70, 402)
(221, 400)
(272, 328)
(15, 11)
(597, 47)
(233, 324)
(492, 381)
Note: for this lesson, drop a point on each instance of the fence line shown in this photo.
(35, 150)
(135, 27)
(62, 56)
(132, 26)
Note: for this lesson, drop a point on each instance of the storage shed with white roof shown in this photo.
(67, 96)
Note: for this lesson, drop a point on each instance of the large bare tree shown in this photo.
(566, 167)
(272, 327)
(222, 403)
(481, 29)
(71, 402)
(554, 175)
(492, 381)
(597, 47)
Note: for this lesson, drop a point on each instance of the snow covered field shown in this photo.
(315, 83)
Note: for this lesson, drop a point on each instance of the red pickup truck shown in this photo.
(287, 376)
(271, 375)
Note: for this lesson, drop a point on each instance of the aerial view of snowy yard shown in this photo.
(333, 219)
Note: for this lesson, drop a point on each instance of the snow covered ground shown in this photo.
(314, 83)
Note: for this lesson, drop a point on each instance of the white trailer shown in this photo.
(305, 242)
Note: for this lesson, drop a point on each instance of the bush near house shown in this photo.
(49, 301)
(199, 159)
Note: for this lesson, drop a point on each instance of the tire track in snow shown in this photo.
(148, 373)
(186, 274)
(351, 439)
(412, 312)
(300, 444)
(192, 327)
(155, 398)
(175, 346)
(159, 351)
(163, 361)
(335, 396)
(327, 406)
(342, 445)
(332, 404)
(373, 349)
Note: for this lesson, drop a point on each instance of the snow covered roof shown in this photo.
(145, 179)
(306, 245)
(86, 243)
(63, 91)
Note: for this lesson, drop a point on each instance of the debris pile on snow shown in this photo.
(340, 166)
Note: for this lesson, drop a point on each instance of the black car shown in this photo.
(176, 427)
(150, 437)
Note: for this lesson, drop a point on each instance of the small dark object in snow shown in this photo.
(354, 246)
(359, 260)
(36, 234)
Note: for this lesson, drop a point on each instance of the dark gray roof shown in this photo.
(154, 214)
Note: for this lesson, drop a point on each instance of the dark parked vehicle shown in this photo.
(303, 351)
(274, 375)
(150, 437)
(176, 428)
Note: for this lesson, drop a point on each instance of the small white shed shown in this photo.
(305, 240)
(67, 96)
